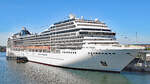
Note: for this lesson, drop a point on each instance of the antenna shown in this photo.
(136, 38)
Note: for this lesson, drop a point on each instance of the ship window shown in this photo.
(44, 50)
(40, 50)
(113, 53)
(83, 32)
(127, 53)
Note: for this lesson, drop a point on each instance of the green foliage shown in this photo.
(2, 49)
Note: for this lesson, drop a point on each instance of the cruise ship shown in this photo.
(75, 43)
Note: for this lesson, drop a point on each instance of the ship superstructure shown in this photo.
(73, 43)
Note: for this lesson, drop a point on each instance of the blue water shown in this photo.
(32, 73)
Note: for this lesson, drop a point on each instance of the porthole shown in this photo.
(113, 53)
(127, 53)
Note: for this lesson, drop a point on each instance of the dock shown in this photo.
(141, 63)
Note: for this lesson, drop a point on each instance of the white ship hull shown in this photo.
(115, 60)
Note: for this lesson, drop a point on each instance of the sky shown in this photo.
(125, 17)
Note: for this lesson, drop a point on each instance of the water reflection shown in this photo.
(137, 78)
(32, 73)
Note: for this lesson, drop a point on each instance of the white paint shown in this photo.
(83, 60)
